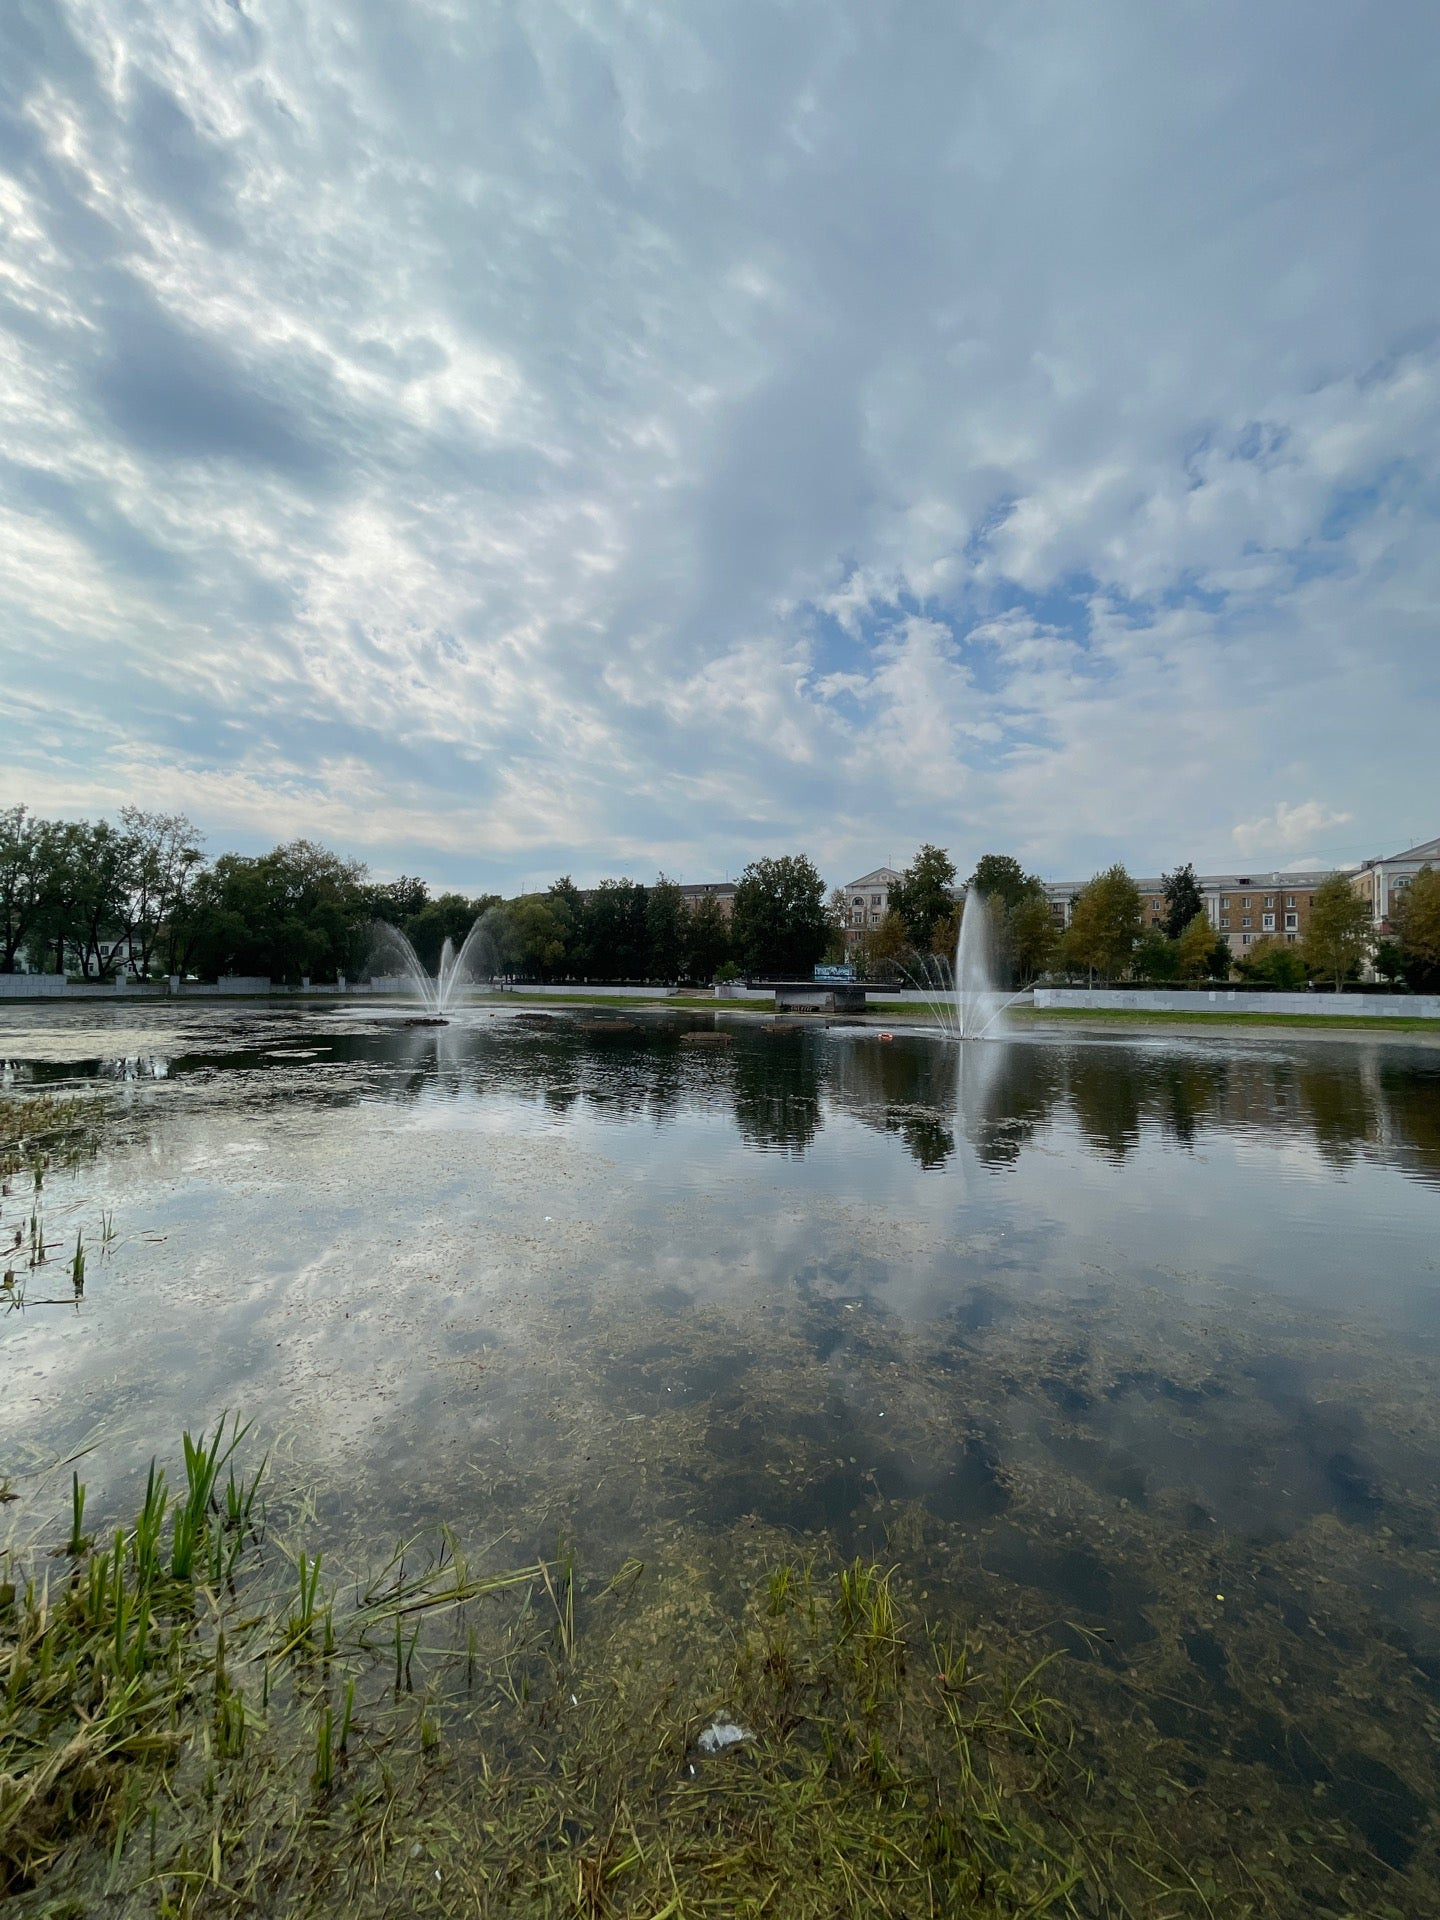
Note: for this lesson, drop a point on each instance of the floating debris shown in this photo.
(721, 1735)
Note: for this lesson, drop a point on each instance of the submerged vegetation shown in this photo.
(194, 1719)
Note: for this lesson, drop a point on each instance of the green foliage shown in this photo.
(1105, 926)
(1032, 937)
(1389, 961)
(398, 902)
(1416, 917)
(923, 896)
(666, 927)
(614, 940)
(301, 910)
(1000, 877)
(708, 942)
(26, 855)
(1196, 949)
(1026, 936)
(780, 924)
(449, 917)
(1273, 963)
(1338, 936)
(1157, 960)
(1183, 900)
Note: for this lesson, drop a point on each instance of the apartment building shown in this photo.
(867, 901)
(721, 891)
(1379, 881)
(693, 892)
(1245, 908)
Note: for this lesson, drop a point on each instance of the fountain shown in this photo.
(437, 995)
(964, 1000)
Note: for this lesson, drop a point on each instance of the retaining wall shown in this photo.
(1400, 1006)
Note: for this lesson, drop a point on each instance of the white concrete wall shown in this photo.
(32, 986)
(1402, 1006)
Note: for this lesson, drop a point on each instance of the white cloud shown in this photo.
(1288, 828)
(511, 437)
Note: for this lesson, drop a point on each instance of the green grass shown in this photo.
(38, 1130)
(193, 1720)
(1312, 1022)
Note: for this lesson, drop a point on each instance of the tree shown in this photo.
(1183, 900)
(999, 877)
(1388, 961)
(300, 910)
(1338, 936)
(1157, 960)
(924, 894)
(707, 939)
(163, 856)
(535, 936)
(1105, 925)
(1195, 948)
(398, 901)
(92, 877)
(614, 934)
(665, 928)
(1417, 925)
(886, 946)
(1032, 935)
(778, 923)
(27, 852)
(1274, 963)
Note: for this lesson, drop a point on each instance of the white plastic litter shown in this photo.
(722, 1734)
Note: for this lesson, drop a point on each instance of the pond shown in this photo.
(1126, 1348)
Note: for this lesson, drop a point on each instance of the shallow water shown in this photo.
(1127, 1347)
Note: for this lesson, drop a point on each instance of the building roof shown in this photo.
(881, 877)
(1427, 850)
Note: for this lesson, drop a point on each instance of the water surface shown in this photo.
(1128, 1347)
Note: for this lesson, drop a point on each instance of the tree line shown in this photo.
(138, 898)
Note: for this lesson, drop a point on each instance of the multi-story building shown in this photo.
(1379, 881)
(693, 892)
(1248, 908)
(1244, 908)
(721, 891)
(867, 901)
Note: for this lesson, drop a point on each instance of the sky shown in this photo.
(506, 440)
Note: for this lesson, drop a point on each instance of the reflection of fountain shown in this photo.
(453, 972)
(964, 999)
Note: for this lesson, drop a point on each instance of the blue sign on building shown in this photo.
(833, 974)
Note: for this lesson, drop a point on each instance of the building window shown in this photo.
(1225, 920)
(1246, 901)
(1245, 920)
(1292, 920)
(1245, 939)
(1289, 939)
(859, 899)
(1289, 899)
(1268, 923)
(1269, 899)
(1224, 899)
(874, 899)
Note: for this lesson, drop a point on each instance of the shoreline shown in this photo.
(900, 1016)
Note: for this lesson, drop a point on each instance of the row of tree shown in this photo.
(1107, 937)
(138, 897)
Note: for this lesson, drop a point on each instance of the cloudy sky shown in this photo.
(504, 439)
